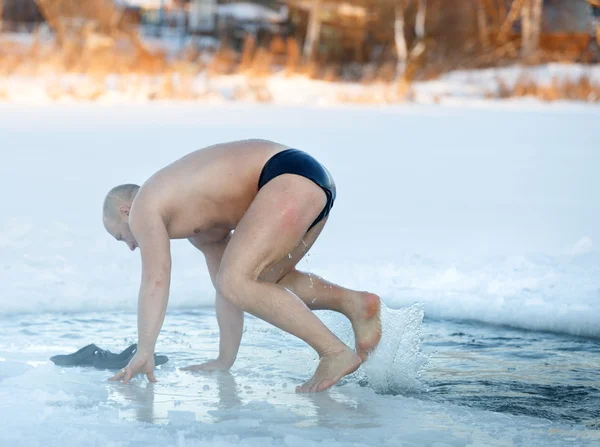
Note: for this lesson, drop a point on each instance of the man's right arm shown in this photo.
(229, 317)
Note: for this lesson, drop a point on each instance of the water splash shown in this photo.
(396, 365)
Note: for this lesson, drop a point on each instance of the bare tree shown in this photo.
(420, 20)
(400, 38)
(511, 18)
(502, 12)
(536, 23)
(526, 28)
(531, 24)
(483, 25)
(314, 30)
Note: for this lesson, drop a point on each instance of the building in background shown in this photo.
(202, 16)
(20, 15)
(567, 16)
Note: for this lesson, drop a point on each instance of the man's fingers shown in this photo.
(118, 376)
(128, 375)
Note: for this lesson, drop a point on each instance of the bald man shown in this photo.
(254, 209)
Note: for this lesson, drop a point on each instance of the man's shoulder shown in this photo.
(145, 210)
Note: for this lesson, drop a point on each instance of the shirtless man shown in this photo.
(253, 208)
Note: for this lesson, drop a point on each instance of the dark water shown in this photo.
(507, 370)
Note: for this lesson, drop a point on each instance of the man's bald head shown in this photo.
(116, 197)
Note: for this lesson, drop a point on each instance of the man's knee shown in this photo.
(288, 278)
(273, 274)
(229, 286)
(277, 273)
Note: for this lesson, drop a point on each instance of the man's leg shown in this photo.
(361, 308)
(272, 227)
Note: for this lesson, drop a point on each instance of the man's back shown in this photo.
(209, 188)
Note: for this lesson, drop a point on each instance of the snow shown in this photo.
(473, 211)
(147, 4)
(243, 11)
(460, 87)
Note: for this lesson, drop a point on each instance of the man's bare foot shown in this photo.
(366, 321)
(212, 365)
(331, 369)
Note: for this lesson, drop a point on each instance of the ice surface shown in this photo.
(255, 405)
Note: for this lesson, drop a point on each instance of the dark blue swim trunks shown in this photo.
(294, 161)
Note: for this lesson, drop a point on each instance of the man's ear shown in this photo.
(124, 209)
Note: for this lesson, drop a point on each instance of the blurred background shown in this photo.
(467, 174)
(366, 50)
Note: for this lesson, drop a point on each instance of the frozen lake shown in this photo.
(485, 216)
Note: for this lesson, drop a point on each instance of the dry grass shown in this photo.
(379, 93)
(247, 53)
(87, 52)
(294, 57)
(254, 90)
(582, 89)
(262, 64)
(97, 56)
(223, 62)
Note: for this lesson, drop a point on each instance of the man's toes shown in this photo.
(324, 385)
(315, 387)
(304, 388)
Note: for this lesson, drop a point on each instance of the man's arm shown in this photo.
(229, 317)
(153, 240)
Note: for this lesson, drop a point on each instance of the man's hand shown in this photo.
(140, 363)
(212, 365)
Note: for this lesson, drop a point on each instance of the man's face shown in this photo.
(119, 229)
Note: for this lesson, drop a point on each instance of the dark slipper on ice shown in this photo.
(92, 355)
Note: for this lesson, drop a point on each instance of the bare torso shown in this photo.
(205, 194)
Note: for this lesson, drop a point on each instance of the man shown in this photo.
(253, 208)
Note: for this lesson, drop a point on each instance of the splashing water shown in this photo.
(396, 365)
